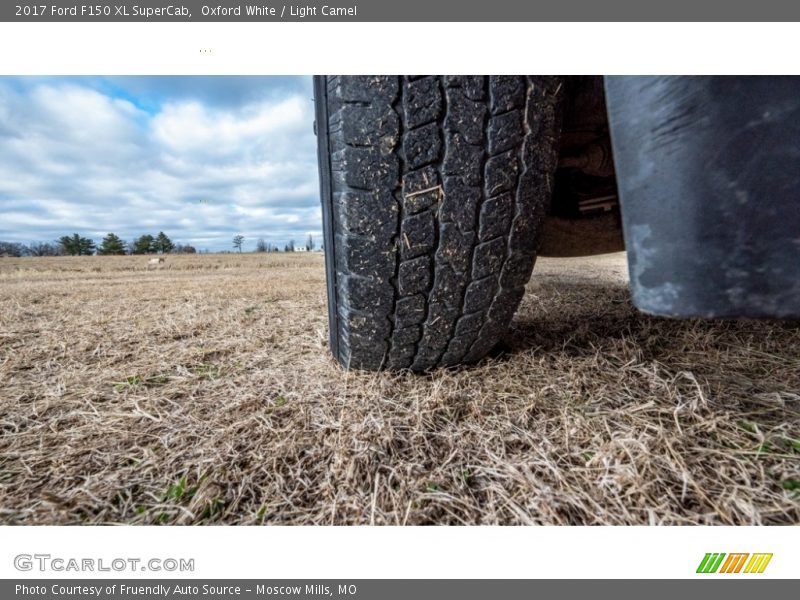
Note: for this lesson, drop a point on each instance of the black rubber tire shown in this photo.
(434, 191)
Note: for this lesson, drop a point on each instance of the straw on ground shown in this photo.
(205, 393)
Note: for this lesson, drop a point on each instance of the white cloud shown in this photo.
(195, 129)
(77, 159)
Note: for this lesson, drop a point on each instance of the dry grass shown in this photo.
(204, 393)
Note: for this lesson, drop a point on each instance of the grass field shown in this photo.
(203, 392)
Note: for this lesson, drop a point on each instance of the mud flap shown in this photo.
(709, 178)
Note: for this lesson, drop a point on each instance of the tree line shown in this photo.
(263, 246)
(112, 244)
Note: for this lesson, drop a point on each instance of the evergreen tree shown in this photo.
(76, 245)
(238, 240)
(111, 245)
(163, 244)
(145, 244)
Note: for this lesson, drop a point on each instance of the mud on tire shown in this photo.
(434, 190)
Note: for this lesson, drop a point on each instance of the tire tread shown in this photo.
(439, 186)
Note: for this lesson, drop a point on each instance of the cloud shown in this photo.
(184, 155)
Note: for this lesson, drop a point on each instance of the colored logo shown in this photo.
(719, 562)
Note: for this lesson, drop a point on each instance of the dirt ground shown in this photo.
(203, 392)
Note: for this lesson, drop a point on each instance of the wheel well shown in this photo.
(584, 216)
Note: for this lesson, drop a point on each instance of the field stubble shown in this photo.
(202, 391)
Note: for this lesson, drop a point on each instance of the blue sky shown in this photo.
(201, 158)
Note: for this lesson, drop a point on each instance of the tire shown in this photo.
(434, 191)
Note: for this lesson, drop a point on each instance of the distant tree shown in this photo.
(144, 244)
(45, 249)
(13, 249)
(111, 245)
(163, 244)
(310, 243)
(289, 247)
(184, 249)
(77, 245)
(238, 240)
(261, 245)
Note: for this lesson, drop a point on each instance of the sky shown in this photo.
(200, 158)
